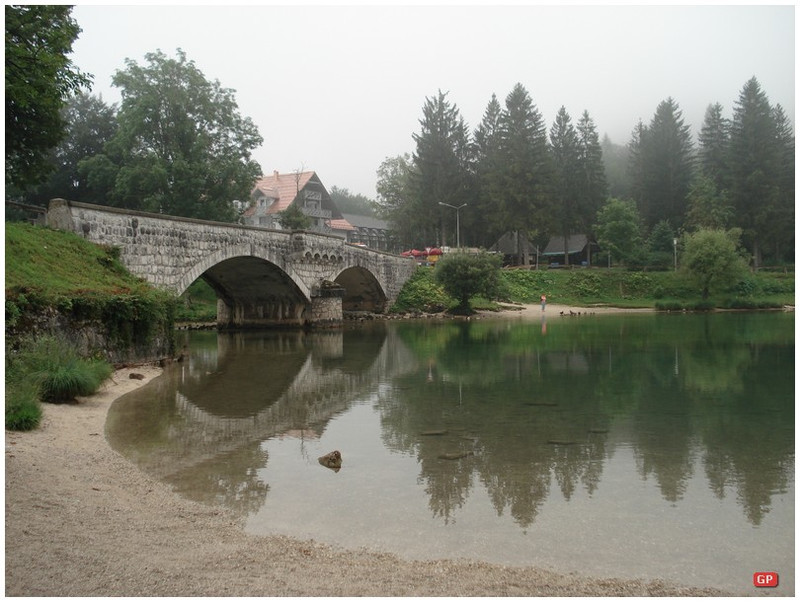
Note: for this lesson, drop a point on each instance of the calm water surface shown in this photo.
(655, 446)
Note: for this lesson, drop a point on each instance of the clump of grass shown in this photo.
(61, 374)
(47, 369)
(23, 410)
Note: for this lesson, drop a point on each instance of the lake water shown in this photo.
(646, 445)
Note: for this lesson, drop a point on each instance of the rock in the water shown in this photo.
(332, 460)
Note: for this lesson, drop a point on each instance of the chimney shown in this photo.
(275, 173)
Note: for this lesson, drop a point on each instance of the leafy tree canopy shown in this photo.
(619, 229)
(712, 258)
(396, 202)
(182, 147)
(39, 80)
(347, 202)
(90, 124)
(708, 208)
(293, 218)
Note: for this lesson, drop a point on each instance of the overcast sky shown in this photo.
(338, 89)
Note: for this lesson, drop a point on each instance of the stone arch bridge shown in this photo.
(263, 278)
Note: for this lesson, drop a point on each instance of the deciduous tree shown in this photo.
(40, 78)
(182, 148)
(397, 202)
(90, 124)
(708, 208)
(619, 229)
(712, 258)
(347, 202)
(293, 218)
(464, 275)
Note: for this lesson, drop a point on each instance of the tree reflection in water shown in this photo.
(681, 391)
(528, 413)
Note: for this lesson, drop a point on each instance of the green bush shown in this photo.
(465, 275)
(638, 284)
(56, 370)
(421, 293)
(747, 286)
(669, 306)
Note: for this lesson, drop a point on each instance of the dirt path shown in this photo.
(81, 520)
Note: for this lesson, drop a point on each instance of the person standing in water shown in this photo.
(544, 302)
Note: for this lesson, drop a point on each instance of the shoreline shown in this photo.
(82, 520)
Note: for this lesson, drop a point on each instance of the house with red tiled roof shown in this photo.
(273, 194)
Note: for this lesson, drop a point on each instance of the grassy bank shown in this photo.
(50, 269)
(611, 287)
(51, 273)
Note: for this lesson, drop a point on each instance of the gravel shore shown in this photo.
(81, 520)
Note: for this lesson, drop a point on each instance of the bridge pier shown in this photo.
(234, 314)
(326, 305)
(324, 311)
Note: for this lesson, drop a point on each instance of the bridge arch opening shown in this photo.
(254, 293)
(363, 292)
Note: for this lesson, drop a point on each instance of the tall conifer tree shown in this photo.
(666, 164)
(714, 142)
(564, 150)
(488, 172)
(441, 174)
(783, 234)
(526, 204)
(591, 176)
(753, 162)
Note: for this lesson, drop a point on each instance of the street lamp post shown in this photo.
(458, 222)
(675, 254)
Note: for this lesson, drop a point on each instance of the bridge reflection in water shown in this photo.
(628, 446)
(200, 426)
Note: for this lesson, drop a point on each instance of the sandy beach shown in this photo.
(81, 520)
(556, 310)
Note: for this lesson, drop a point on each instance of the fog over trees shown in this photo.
(511, 176)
